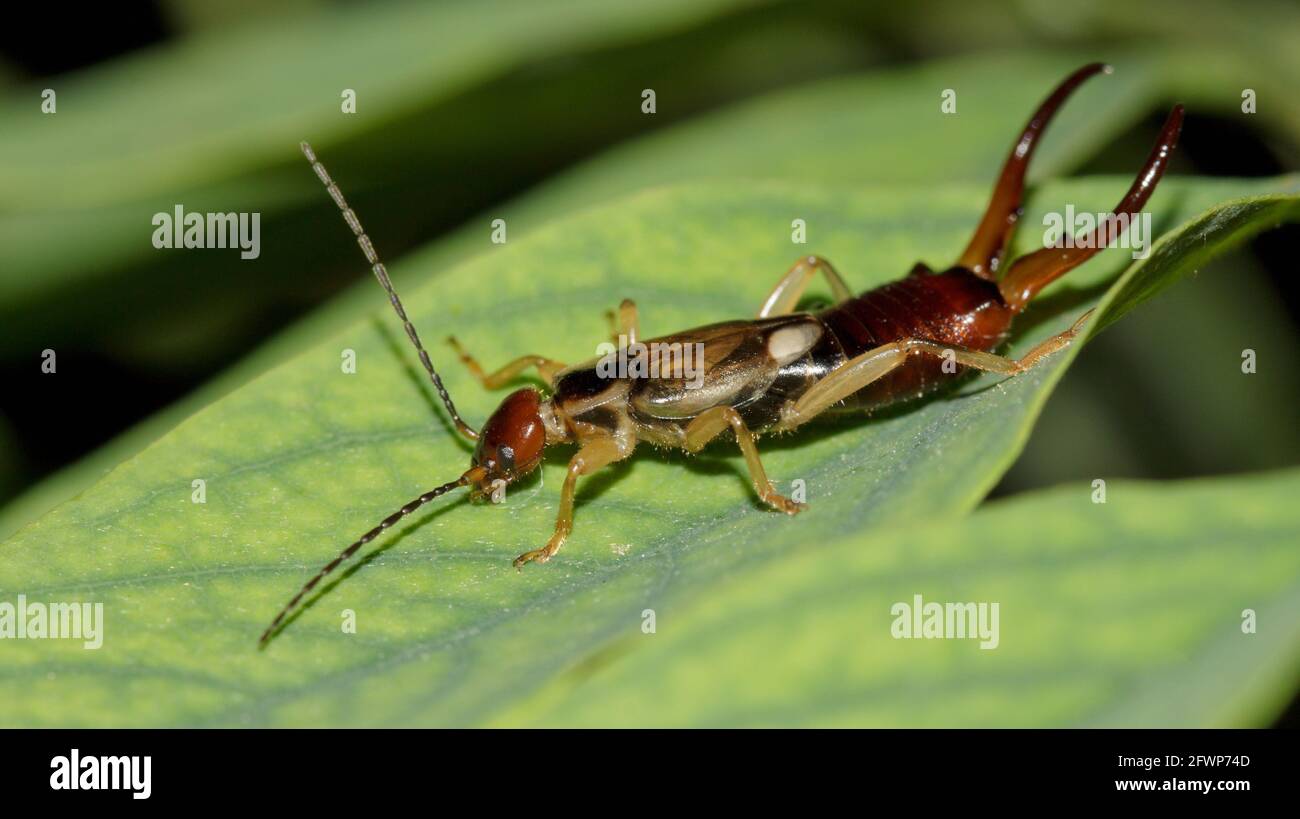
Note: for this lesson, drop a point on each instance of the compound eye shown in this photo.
(506, 459)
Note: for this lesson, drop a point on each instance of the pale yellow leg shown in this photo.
(591, 456)
(710, 423)
(499, 378)
(625, 322)
(857, 373)
(785, 296)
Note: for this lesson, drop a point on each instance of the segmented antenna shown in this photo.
(362, 541)
(381, 273)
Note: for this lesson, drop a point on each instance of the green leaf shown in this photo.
(301, 460)
(836, 131)
(426, 51)
(1131, 613)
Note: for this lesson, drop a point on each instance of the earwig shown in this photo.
(777, 371)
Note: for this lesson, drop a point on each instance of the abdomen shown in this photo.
(953, 308)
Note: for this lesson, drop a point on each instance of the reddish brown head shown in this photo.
(511, 442)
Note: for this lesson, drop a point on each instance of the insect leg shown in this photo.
(861, 371)
(842, 382)
(1034, 271)
(625, 323)
(594, 454)
(986, 247)
(991, 362)
(500, 377)
(790, 288)
(710, 423)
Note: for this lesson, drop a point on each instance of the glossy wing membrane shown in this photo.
(730, 364)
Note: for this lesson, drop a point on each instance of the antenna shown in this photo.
(473, 474)
(381, 273)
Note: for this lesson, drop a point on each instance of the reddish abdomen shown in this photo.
(954, 308)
